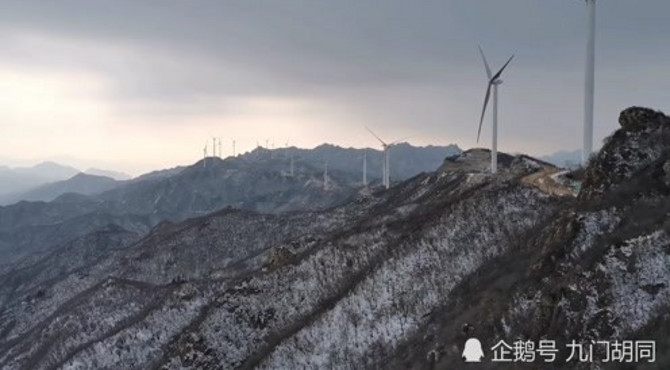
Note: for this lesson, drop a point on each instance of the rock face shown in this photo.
(637, 117)
(642, 140)
(600, 271)
(238, 289)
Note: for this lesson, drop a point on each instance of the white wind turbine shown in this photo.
(386, 170)
(286, 148)
(204, 159)
(494, 82)
(589, 85)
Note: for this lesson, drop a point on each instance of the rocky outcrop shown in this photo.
(643, 139)
(635, 118)
(600, 271)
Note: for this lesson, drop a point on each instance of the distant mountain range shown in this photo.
(106, 173)
(49, 180)
(256, 181)
(80, 183)
(564, 158)
(23, 183)
(391, 279)
(15, 180)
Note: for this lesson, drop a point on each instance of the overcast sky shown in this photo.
(141, 85)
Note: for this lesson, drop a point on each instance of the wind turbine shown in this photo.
(385, 148)
(204, 159)
(213, 146)
(233, 147)
(220, 152)
(494, 82)
(589, 85)
(386, 170)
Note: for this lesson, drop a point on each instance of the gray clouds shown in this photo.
(392, 62)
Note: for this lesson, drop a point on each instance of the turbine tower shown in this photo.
(204, 152)
(494, 82)
(220, 152)
(385, 161)
(589, 85)
(233, 148)
(386, 169)
(213, 146)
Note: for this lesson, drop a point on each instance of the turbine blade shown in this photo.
(375, 135)
(486, 102)
(497, 76)
(486, 64)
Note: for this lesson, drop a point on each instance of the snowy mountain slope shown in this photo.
(213, 184)
(394, 278)
(21, 242)
(258, 181)
(599, 271)
(247, 288)
(28, 227)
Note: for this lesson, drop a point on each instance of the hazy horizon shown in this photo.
(71, 162)
(135, 87)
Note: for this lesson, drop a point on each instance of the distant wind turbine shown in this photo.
(494, 82)
(220, 152)
(589, 85)
(233, 148)
(204, 159)
(386, 170)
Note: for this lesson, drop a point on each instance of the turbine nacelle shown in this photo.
(494, 81)
(386, 178)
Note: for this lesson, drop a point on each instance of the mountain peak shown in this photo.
(107, 173)
(641, 142)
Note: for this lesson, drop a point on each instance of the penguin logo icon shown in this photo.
(473, 351)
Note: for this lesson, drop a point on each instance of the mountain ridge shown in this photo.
(395, 278)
